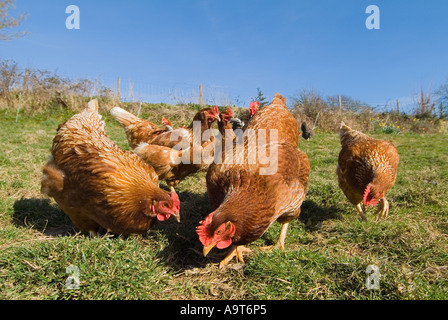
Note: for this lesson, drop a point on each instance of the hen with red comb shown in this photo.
(367, 169)
(244, 199)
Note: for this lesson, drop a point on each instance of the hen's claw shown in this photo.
(236, 251)
(360, 208)
(383, 209)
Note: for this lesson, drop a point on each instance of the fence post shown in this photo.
(20, 94)
(118, 89)
(201, 102)
(441, 109)
(25, 77)
(398, 106)
(340, 104)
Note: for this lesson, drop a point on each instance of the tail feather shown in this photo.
(344, 133)
(92, 106)
(347, 134)
(124, 117)
(344, 128)
(91, 112)
(279, 99)
(52, 182)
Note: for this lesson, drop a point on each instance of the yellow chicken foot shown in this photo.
(93, 234)
(281, 239)
(383, 209)
(360, 207)
(236, 251)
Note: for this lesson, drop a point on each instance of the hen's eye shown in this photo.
(218, 231)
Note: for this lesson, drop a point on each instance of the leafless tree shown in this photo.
(425, 104)
(9, 76)
(7, 22)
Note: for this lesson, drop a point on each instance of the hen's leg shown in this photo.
(236, 251)
(359, 207)
(281, 239)
(383, 209)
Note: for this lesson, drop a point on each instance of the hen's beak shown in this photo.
(177, 217)
(207, 249)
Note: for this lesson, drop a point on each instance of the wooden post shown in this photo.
(20, 94)
(18, 108)
(398, 106)
(118, 89)
(340, 104)
(422, 103)
(201, 102)
(25, 77)
(441, 109)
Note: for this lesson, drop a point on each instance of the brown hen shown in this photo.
(175, 153)
(98, 185)
(246, 199)
(367, 169)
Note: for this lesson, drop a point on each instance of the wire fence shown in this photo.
(185, 93)
(44, 84)
(129, 90)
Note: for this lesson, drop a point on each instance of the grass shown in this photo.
(327, 249)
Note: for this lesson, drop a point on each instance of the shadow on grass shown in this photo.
(184, 250)
(313, 214)
(40, 214)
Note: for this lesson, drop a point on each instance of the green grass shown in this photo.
(327, 249)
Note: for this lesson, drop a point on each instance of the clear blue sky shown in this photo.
(240, 45)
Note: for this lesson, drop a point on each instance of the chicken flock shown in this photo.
(256, 174)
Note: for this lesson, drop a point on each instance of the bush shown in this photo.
(42, 91)
(310, 107)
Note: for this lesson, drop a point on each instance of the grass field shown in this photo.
(327, 249)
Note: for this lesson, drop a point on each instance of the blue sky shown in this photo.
(237, 46)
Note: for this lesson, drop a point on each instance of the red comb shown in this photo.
(229, 111)
(368, 199)
(255, 104)
(201, 230)
(366, 195)
(215, 109)
(176, 202)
